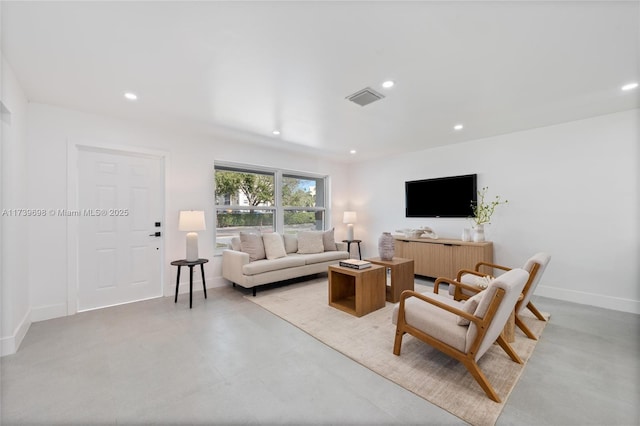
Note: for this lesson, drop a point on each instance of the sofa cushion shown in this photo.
(326, 256)
(260, 266)
(328, 240)
(310, 242)
(252, 244)
(273, 245)
(290, 243)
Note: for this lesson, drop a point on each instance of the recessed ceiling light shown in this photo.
(387, 84)
(276, 132)
(353, 151)
(131, 96)
(458, 127)
(630, 86)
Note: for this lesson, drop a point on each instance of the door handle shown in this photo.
(155, 234)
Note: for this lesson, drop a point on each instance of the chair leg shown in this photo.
(509, 350)
(535, 311)
(522, 326)
(481, 379)
(397, 344)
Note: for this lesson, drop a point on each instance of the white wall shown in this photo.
(189, 186)
(573, 191)
(14, 266)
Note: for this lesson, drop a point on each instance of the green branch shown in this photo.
(482, 210)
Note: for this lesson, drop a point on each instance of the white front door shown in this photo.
(120, 198)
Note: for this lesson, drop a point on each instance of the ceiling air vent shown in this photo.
(365, 96)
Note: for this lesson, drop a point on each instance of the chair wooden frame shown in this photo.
(459, 295)
(467, 359)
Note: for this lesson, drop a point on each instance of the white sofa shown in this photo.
(242, 266)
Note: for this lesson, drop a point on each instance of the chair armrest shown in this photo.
(491, 265)
(410, 293)
(457, 283)
(232, 263)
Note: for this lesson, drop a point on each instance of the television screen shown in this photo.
(441, 197)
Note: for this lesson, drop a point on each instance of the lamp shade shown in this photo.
(191, 220)
(349, 217)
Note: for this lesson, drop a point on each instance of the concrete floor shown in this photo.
(228, 361)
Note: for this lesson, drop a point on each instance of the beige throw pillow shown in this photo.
(252, 244)
(290, 243)
(470, 306)
(310, 242)
(328, 240)
(273, 245)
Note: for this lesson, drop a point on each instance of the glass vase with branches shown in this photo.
(483, 209)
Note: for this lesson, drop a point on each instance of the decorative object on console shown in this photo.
(192, 221)
(386, 246)
(423, 232)
(478, 233)
(482, 212)
(466, 234)
(349, 218)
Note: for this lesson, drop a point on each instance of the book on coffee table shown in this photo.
(355, 264)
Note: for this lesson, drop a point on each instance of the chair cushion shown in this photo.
(434, 321)
(469, 306)
(310, 242)
(252, 244)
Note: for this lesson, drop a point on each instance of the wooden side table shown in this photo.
(183, 262)
(357, 291)
(349, 247)
(402, 276)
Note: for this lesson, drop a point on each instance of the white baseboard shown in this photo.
(9, 345)
(43, 313)
(600, 300)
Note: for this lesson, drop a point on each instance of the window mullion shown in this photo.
(279, 219)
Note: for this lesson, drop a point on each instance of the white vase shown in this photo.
(386, 246)
(466, 234)
(478, 233)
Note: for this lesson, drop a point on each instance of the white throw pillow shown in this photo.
(310, 242)
(273, 245)
(470, 306)
(328, 240)
(252, 244)
(290, 243)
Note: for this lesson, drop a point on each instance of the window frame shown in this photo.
(278, 208)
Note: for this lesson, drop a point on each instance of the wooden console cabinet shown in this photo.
(443, 257)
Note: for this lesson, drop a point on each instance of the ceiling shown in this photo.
(243, 69)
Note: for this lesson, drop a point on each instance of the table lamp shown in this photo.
(349, 218)
(192, 221)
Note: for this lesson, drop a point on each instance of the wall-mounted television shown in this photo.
(441, 197)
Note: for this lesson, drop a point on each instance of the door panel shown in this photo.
(119, 199)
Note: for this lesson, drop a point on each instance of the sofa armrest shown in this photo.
(341, 246)
(232, 263)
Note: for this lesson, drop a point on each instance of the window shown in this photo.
(266, 200)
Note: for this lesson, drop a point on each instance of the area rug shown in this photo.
(420, 369)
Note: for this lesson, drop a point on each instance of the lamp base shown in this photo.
(350, 232)
(192, 246)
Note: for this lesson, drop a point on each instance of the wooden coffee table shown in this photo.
(402, 276)
(357, 291)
